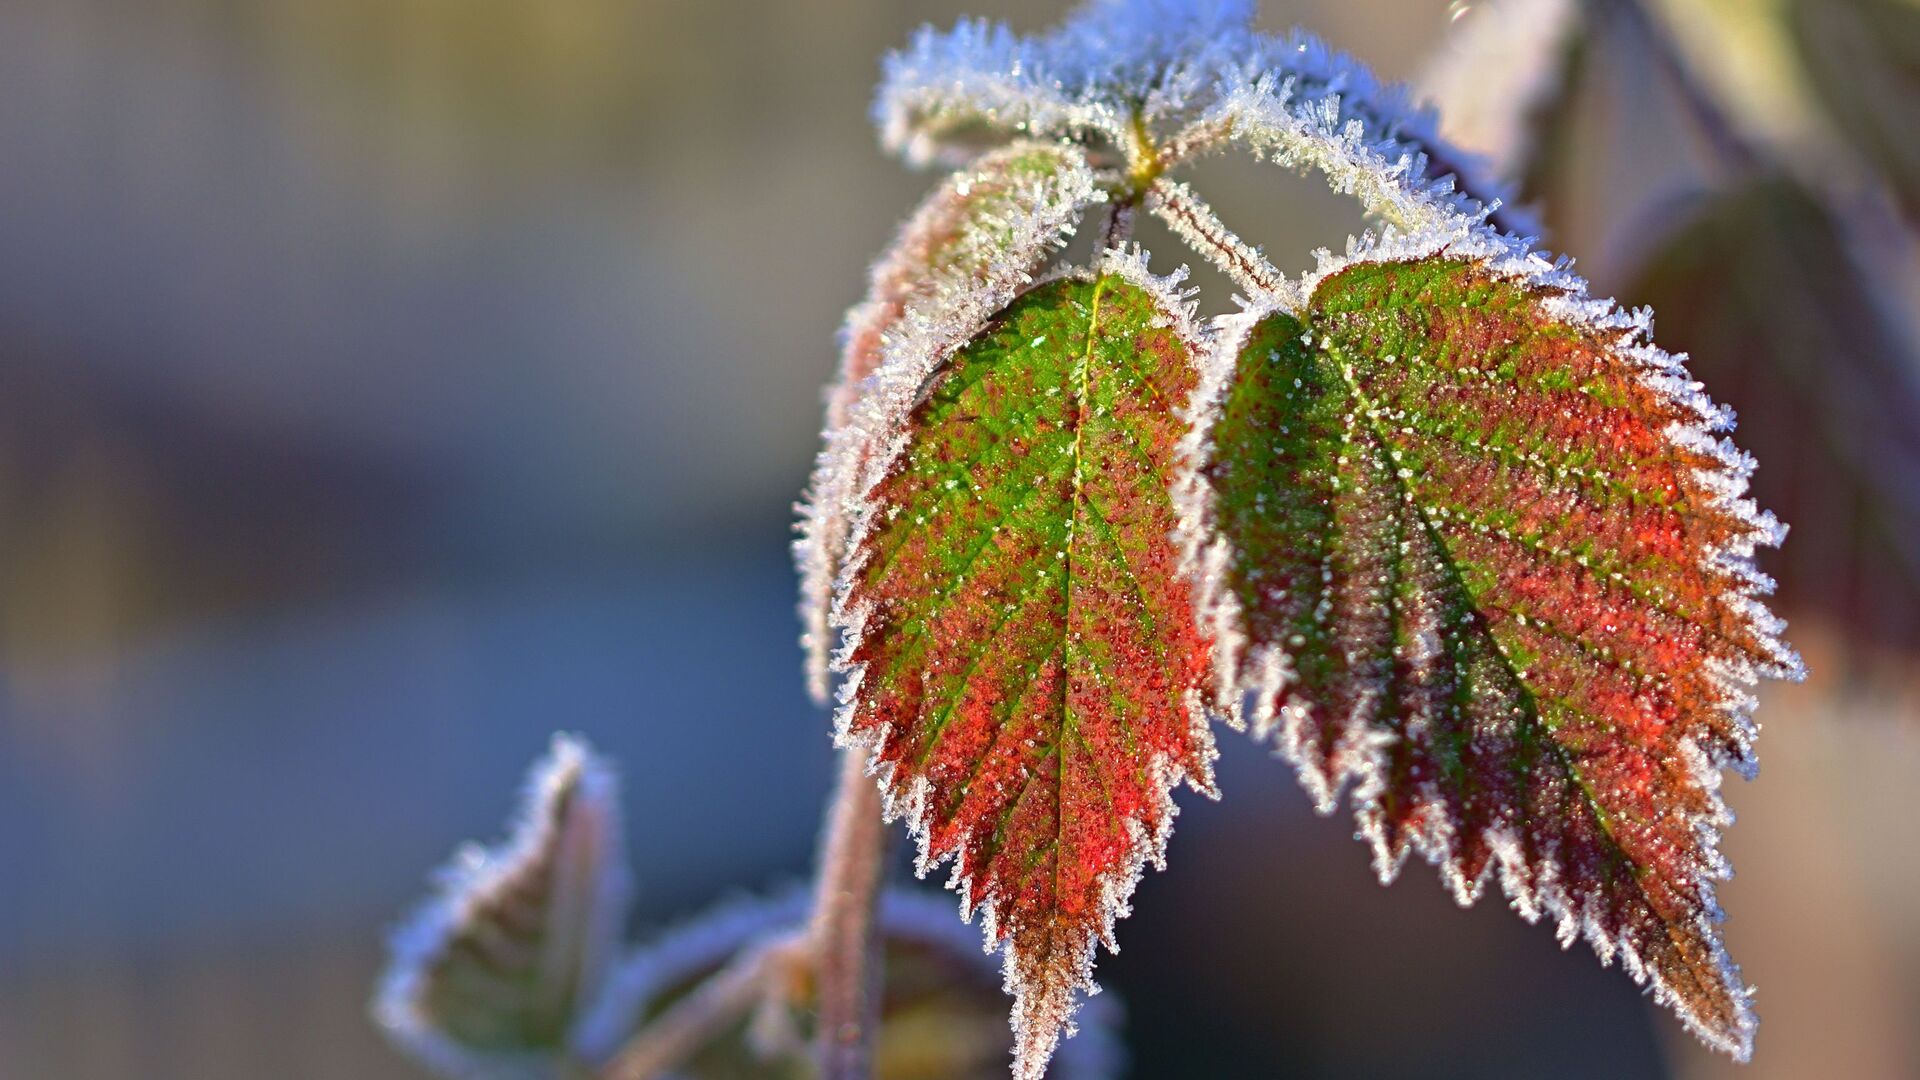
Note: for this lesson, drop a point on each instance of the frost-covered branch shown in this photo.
(1196, 223)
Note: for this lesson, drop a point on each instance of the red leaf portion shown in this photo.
(1025, 659)
(1488, 563)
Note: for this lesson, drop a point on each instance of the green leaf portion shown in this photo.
(1487, 566)
(1026, 653)
(975, 241)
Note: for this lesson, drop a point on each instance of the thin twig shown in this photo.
(1200, 137)
(846, 960)
(1196, 223)
(669, 1039)
(1119, 227)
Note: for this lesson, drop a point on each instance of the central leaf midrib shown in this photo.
(1068, 649)
(1080, 505)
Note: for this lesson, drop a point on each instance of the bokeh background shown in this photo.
(386, 383)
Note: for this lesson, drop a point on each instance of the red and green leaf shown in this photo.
(1023, 650)
(1476, 551)
(976, 240)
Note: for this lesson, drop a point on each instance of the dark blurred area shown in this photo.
(387, 383)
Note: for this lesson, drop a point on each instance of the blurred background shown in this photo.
(386, 383)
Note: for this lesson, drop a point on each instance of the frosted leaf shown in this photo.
(941, 1009)
(1023, 659)
(492, 976)
(1477, 552)
(975, 240)
(1502, 68)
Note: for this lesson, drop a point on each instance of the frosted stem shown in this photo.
(669, 1039)
(1119, 228)
(846, 960)
(1196, 223)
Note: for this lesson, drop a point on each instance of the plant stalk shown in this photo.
(846, 956)
(669, 1039)
(1119, 227)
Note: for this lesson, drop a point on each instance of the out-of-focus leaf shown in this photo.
(494, 975)
(1863, 57)
(1022, 650)
(1760, 289)
(942, 1011)
(1501, 77)
(1483, 557)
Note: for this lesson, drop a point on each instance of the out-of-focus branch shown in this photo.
(1734, 153)
(846, 957)
(675, 1035)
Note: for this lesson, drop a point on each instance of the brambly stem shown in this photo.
(839, 945)
(842, 937)
(668, 1040)
(1195, 222)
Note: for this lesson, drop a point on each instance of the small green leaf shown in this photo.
(493, 976)
(1479, 555)
(1023, 653)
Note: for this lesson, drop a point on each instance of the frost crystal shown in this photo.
(1023, 661)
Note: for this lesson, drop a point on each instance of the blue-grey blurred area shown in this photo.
(385, 384)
